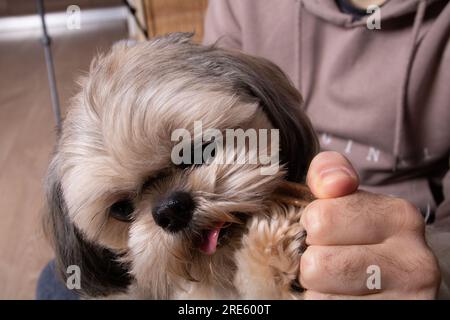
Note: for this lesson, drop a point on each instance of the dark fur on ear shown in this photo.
(282, 104)
(260, 79)
(101, 272)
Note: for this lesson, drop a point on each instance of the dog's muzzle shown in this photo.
(174, 212)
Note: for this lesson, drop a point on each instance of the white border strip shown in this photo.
(58, 19)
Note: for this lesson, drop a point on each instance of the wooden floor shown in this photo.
(26, 142)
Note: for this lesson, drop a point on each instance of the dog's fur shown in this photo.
(116, 141)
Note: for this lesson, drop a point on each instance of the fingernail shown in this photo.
(330, 175)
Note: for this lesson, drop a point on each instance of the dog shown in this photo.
(139, 226)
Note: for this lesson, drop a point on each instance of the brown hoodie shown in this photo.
(381, 97)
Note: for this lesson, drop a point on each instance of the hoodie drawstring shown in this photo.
(402, 102)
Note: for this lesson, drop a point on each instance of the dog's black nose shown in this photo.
(174, 212)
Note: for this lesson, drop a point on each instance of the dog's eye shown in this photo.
(122, 210)
(199, 156)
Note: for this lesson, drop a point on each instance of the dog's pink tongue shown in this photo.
(209, 244)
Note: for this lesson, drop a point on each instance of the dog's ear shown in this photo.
(101, 272)
(282, 103)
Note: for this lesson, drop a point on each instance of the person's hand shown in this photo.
(362, 245)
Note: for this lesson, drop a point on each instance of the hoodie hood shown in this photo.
(380, 96)
(329, 11)
(392, 9)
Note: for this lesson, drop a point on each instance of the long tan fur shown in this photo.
(116, 144)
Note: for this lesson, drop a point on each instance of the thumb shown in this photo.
(331, 175)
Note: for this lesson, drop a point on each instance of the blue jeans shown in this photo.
(51, 287)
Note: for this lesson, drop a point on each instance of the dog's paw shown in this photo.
(269, 260)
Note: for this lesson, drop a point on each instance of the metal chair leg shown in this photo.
(46, 42)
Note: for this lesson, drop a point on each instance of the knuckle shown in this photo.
(423, 274)
(430, 275)
(310, 266)
(319, 219)
(410, 218)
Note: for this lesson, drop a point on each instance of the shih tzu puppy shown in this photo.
(139, 224)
